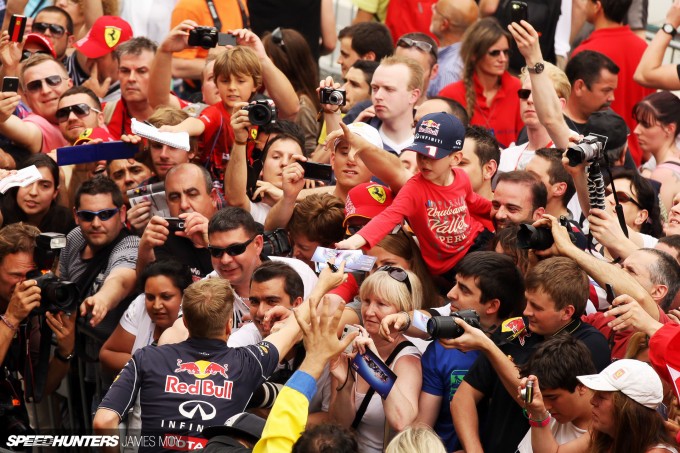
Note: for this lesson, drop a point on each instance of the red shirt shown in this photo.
(625, 49)
(502, 117)
(217, 141)
(121, 121)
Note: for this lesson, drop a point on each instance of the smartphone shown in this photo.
(10, 84)
(317, 171)
(226, 39)
(174, 224)
(519, 11)
(17, 26)
(349, 328)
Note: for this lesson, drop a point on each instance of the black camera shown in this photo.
(55, 294)
(208, 37)
(446, 327)
(174, 224)
(328, 95)
(530, 237)
(590, 149)
(276, 243)
(261, 112)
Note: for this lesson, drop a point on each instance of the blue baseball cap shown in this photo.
(438, 135)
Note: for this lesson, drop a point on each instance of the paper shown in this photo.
(354, 260)
(179, 140)
(153, 193)
(22, 178)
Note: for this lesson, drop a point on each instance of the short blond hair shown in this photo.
(238, 60)
(416, 438)
(381, 284)
(417, 74)
(557, 76)
(207, 307)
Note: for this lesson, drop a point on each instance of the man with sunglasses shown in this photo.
(78, 109)
(55, 24)
(43, 80)
(423, 49)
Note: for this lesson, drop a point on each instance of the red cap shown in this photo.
(40, 40)
(94, 133)
(367, 200)
(105, 35)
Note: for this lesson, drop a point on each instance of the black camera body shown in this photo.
(446, 327)
(209, 37)
(590, 149)
(261, 112)
(332, 96)
(276, 243)
(55, 294)
(530, 237)
(174, 224)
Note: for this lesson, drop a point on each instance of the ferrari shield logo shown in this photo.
(86, 133)
(378, 193)
(112, 36)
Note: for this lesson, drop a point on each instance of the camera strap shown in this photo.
(35, 378)
(216, 18)
(371, 391)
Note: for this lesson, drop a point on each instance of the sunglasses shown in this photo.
(26, 54)
(420, 45)
(55, 30)
(277, 37)
(524, 93)
(104, 214)
(80, 110)
(397, 274)
(36, 85)
(496, 53)
(623, 197)
(232, 250)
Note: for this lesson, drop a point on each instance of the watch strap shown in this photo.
(65, 359)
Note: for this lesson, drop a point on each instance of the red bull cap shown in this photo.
(438, 135)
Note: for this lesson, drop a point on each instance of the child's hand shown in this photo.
(249, 39)
(240, 122)
(354, 242)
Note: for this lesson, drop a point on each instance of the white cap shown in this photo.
(367, 132)
(635, 379)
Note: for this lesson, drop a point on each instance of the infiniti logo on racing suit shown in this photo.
(189, 408)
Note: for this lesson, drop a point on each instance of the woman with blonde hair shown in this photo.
(416, 438)
(487, 90)
(354, 403)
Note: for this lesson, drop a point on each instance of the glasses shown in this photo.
(232, 250)
(623, 197)
(80, 110)
(36, 85)
(524, 93)
(55, 30)
(497, 52)
(104, 214)
(26, 54)
(420, 45)
(397, 274)
(277, 37)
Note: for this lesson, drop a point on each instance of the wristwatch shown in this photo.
(66, 359)
(537, 68)
(670, 29)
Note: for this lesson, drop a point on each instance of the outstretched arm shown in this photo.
(651, 72)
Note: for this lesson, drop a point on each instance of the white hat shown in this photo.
(635, 379)
(367, 132)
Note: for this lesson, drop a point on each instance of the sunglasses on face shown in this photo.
(55, 30)
(104, 214)
(524, 94)
(277, 37)
(232, 250)
(496, 53)
(623, 197)
(36, 85)
(397, 274)
(420, 45)
(26, 54)
(80, 110)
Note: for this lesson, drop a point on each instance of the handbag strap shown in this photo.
(369, 394)
(216, 18)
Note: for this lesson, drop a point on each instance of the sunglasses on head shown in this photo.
(80, 110)
(397, 274)
(524, 93)
(36, 85)
(420, 45)
(232, 250)
(496, 52)
(104, 214)
(623, 197)
(55, 30)
(277, 37)
(26, 54)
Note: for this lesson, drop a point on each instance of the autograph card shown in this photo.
(355, 260)
(375, 372)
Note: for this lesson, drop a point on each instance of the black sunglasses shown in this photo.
(420, 45)
(36, 85)
(232, 250)
(55, 30)
(495, 53)
(81, 111)
(398, 274)
(104, 214)
(277, 37)
(523, 93)
(26, 54)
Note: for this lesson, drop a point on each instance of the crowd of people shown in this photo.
(468, 241)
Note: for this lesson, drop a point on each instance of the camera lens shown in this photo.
(336, 98)
(259, 115)
(443, 327)
(529, 237)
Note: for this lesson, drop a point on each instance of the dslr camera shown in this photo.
(55, 294)
(590, 149)
(261, 112)
(209, 37)
(446, 327)
(331, 96)
(276, 243)
(530, 237)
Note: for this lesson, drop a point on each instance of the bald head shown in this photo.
(451, 18)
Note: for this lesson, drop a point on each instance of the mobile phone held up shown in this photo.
(519, 11)
(317, 171)
(10, 84)
(17, 26)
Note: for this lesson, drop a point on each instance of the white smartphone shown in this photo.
(349, 328)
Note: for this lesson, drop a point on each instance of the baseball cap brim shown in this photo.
(91, 48)
(596, 382)
(426, 150)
